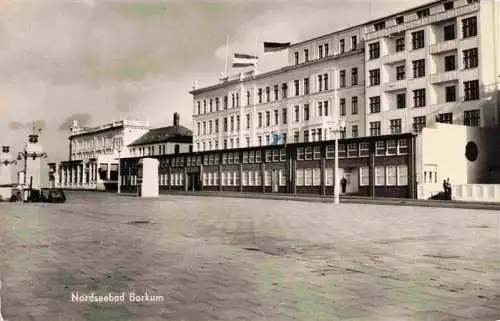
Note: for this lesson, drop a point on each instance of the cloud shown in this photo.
(83, 120)
(39, 124)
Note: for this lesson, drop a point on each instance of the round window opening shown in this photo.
(471, 151)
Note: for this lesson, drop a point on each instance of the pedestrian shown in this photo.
(343, 183)
(448, 189)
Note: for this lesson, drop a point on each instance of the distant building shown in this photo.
(94, 153)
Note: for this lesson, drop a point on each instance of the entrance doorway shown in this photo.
(275, 180)
(193, 182)
(352, 177)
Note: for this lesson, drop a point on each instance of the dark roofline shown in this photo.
(95, 132)
(278, 71)
(181, 139)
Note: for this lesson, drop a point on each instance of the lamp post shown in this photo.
(119, 170)
(339, 128)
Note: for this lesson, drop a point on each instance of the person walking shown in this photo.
(448, 189)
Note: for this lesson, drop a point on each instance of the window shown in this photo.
(375, 104)
(449, 63)
(259, 94)
(268, 94)
(296, 136)
(282, 177)
(306, 112)
(471, 58)
(396, 126)
(392, 147)
(268, 156)
(276, 92)
(379, 25)
(446, 118)
(375, 128)
(283, 115)
(364, 176)
(316, 176)
(402, 147)
(325, 81)
(306, 86)
(342, 45)
(451, 93)
(320, 82)
(320, 51)
(423, 13)
(401, 101)
(469, 27)
(342, 81)
(374, 50)
(354, 76)
(259, 140)
(380, 148)
(306, 55)
(400, 44)
(276, 117)
(392, 175)
(419, 123)
(374, 77)
(449, 32)
(225, 124)
(402, 175)
(317, 152)
(267, 140)
(342, 107)
(300, 153)
(354, 42)
(248, 98)
(471, 90)
(284, 91)
(354, 105)
(400, 72)
(352, 150)
(232, 123)
(418, 39)
(247, 120)
(419, 98)
(276, 155)
(354, 131)
(472, 118)
(257, 156)
(400, 20)
(259, 120)
(282, 155)
(379, 175)
(268, 118)
(251, 181)
(418, 68)
(306, 136)
(325, 108)
(448, 5)
(326, 49)
(300, 177)
(320, 108)
(296, 57)
(296, 87)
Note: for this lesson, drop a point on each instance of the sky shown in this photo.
(103, 60)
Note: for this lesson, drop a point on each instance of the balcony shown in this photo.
(444, 77)
(435, 18)
(394, 57)
(443, 47)
(396, 85)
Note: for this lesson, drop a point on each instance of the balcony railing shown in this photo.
(443, 47)
(396, 85)
(444, 77)
(394, 57)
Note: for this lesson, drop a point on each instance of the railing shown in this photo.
(443, 46)
(394, 57)
(444, 77)
(476, 192)
(396, 85)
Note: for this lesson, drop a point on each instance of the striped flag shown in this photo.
(244, 60)
(275, 46)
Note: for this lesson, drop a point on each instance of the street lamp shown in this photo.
(339, 128)
(119, 169)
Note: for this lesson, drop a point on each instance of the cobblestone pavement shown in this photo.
(247, 259)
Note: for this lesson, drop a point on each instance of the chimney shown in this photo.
(176, 119)
(5, 149)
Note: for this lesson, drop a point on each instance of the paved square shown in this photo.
(246, 259)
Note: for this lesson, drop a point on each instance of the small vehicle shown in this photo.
(51, 195)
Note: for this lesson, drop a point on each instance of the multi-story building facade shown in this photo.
(298, 103)
(439, 62)
(94, 154)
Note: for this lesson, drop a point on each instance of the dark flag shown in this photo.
(275, 46)
(244, 60)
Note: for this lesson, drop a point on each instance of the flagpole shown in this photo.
(256, 60)
(227, 56)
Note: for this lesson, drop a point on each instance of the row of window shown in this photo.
(422, 13)
(323, 50)
(469, 29)
(472, 118)
(471, 92)
(248, 178)
(385, 175)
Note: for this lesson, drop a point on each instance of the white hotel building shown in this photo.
(392, 75)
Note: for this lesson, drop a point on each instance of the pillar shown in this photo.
(78, 174)
(372, 169)
(63, 176)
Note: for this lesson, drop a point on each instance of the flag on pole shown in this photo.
(244, 60)
(276, 139)
(275, 46)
